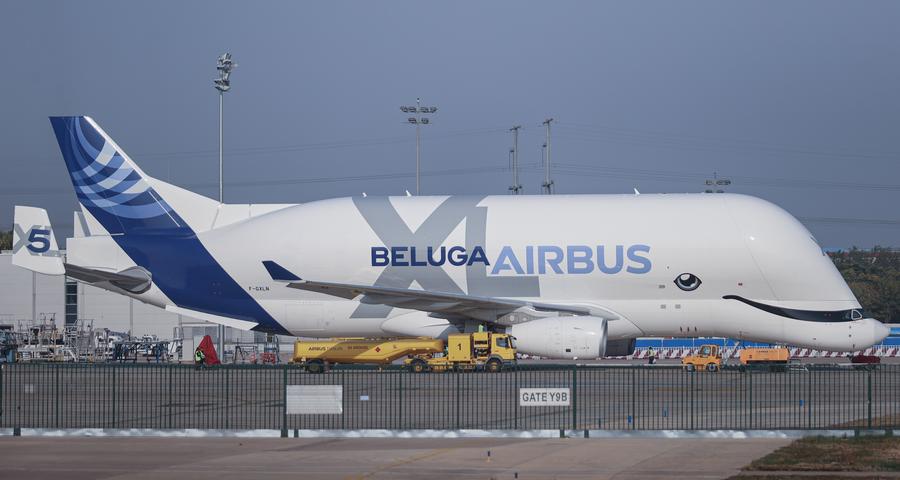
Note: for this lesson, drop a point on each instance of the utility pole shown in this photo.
(516, 188)
(548, 183)
(223, 84)
(417, 121)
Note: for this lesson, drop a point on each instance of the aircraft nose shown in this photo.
(880, 331)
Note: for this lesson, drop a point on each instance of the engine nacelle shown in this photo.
(562, 337)
(620, 348)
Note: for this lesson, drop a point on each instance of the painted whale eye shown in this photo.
(687, 282)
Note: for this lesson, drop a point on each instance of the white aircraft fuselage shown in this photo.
(645, 265)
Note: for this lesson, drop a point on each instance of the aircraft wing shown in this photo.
(440, 304)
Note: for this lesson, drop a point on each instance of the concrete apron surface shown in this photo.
(472, 433)
(76, 458)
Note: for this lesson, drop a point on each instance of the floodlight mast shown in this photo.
(417, 121)
(223, 84)
(716, 184)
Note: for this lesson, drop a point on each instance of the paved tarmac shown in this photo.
(230, 458)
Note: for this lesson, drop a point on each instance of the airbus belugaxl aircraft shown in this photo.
(570, 276)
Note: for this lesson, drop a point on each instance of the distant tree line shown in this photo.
(873, 275)
(6, 240)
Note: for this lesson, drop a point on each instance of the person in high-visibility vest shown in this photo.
(198, 356)
(651, 356)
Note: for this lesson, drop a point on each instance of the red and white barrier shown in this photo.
(796, 352)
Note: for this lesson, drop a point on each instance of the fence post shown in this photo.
(574, 396)
(284, 378)
(56, 388)
(633, 412)
(869, 401)
(169, 367)
(400, 400)
(516, 386)
(692, 372)
(750, 401)
(809, 399)
(457, 400)
(113, 370)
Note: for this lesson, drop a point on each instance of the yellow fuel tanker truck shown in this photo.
(467, 351)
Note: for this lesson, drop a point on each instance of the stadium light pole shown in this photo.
(417, 120)
(223, 84)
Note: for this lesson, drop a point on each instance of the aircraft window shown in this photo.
(687, 282)
(856, 315)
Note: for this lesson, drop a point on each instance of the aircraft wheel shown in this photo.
(315, 366)
(493, 365)
(417, 365)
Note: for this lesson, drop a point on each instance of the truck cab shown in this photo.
(470, 351)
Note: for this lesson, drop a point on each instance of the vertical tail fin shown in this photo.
(115, 191)
(34, 245)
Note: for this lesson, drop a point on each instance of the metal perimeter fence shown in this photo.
(523, 397)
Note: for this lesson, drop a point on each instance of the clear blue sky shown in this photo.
(796, 101)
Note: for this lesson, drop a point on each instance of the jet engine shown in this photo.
(562, 337)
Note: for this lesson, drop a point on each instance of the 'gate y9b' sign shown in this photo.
(544, 397)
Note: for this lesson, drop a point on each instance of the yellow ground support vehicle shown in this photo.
(315, 354)
(469, 351)
(708, 358)
(765, 356)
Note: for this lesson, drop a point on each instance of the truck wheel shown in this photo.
(712, 367)
(493, 365)
(689, 367)
(417, 365)
(315, 366)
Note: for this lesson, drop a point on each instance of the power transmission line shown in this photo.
(644, 137)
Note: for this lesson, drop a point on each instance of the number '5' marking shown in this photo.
(39, 240)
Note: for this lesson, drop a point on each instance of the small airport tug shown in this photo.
(709, 357)
(464, 351)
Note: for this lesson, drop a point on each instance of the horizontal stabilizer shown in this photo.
(135, 279)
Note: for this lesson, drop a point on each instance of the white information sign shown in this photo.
(544, 397)
(315, 399)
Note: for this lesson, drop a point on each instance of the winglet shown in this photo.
(279, 273)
